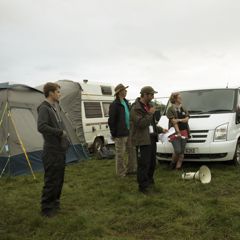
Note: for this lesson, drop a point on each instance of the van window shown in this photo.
(106, 106)
(93, 109)
(209, 101)
(106, 90)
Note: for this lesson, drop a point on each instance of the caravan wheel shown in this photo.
(98, 144)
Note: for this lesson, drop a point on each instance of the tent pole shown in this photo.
(8, 160)
(6, 141)
(4, 111)
(22, 145)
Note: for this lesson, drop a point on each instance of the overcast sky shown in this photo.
(169, 44)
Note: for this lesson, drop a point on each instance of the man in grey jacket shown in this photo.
(55, 146)
(144, 133)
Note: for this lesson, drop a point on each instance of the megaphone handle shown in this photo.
(195, 175)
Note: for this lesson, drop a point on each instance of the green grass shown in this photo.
(98, 205)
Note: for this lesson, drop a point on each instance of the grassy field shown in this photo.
(98, 205)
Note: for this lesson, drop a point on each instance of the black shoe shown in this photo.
(143, 190)
(151, 182)
(49, 213)
(57, 208)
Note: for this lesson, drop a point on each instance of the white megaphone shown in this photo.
(203, 175)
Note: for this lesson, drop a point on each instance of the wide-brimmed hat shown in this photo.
(148, 90)
(119, 88)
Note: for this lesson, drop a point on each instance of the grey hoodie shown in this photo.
(50, 127)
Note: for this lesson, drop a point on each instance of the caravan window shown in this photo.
(93, 109)
(106, 90)
(106, 106)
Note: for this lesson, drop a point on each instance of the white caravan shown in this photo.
(214, 126)
(96, 99)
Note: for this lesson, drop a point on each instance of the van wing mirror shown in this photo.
(238, 116)
(157, 115)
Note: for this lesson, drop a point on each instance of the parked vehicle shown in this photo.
(214, 126)
(87, 105)
(96, 99)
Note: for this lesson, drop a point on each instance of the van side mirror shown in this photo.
(157, 115)
(238, 116)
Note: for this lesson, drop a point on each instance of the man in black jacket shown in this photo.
(119, 123)
(51, 127)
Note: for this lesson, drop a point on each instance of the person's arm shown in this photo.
(185, 120)
(173, 120)
(140, 120)
(112, 120)
(175, 125)
(161, 130)
(43, 124)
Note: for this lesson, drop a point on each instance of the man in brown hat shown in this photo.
(119, 124)
(144, 133)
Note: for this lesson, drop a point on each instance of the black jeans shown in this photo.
(54, 167)
(146, 162)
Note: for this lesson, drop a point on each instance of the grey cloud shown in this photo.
(156, 42)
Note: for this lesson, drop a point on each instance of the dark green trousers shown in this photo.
(146, 164)
(54, 167)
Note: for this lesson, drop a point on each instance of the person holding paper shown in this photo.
(178, 118)
(144, 133)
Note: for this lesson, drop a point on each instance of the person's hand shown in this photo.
(165, 130)
(64, 135)
(152, 110)
(179, 134)
(175, 121)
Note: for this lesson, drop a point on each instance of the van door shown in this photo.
(105, 127)
(238, 111)
(92, 117)
(234, 127)
(95, 120)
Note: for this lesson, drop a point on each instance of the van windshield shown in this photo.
(209, 101)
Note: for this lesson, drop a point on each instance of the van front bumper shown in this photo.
(214, 151)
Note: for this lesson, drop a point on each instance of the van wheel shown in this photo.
(97, 145)
(236, 159)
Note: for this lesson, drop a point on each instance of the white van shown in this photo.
(96, 99)
(214, 126)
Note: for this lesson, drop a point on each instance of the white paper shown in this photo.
(151, 129)
(163, 137)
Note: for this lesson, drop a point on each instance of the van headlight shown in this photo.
(221, 133)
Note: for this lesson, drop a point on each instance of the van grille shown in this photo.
(198, 136)
(201, 116)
